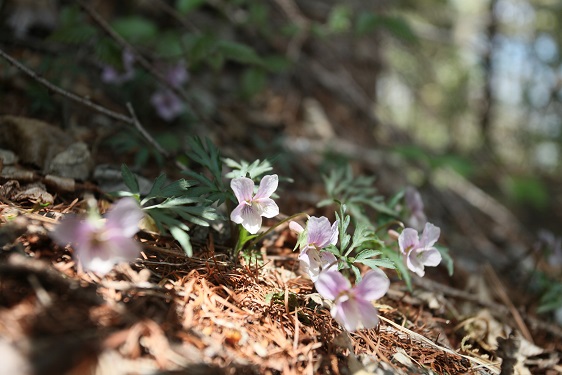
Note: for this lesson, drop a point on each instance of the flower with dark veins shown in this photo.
(252, 207)
(353, 307)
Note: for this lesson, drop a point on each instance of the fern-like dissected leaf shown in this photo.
(243, 169)
(356, 192)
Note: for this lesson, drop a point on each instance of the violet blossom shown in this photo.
(99, 243)
(420, 252)
(414, 204)
(318, 235)
(353, 307)
(252, 207)
(111, 75)
(167, 104)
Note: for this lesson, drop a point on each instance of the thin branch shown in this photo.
(133, 120)
(141, 130)
(142, 61)
(79, 99)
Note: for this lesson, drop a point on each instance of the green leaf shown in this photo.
(130, 179)
(243, 169)
(447, 260)
(356, 272)
(186, 6)
(155, 189)
(238, 52)
(182, 237)
(135, 28)
(253, 81)
(339, 19)
(176, 188)
(368, 253)
(375, 263)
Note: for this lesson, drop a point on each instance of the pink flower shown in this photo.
(252, 207)
(111, 75)
(319, 234)
(313, 262)
(419, 253)
(167, 104)
(414, 205)
(353, 307)
(99, 244)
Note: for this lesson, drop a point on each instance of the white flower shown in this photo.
(252, 207)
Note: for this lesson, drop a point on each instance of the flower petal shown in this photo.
(72, 229)
(373, 286)
(429, 236)
(408, 240)
(328, 261)
(335, 233)
(430, 257)
(124, 217)
(413, 263)
(332, 283)
(236, 214)
(318, 231)
(268, 185)
(266, 207)
(355, 314)
(295, 227)
(310, 263)
(243, 188)
(251, 220)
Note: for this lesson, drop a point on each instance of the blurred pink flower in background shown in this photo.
(99, 243)
(111, 75)
(167, 104)
(414, 205)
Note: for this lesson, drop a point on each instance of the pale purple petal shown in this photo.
(310, 263)
(266, 207)
(167, 104)
(124, 248)
(355, 314)
(243, 188)
(369, 314)
(124, 217)
(430, 257)
(330, 284)
(328, 261)
(98, 265)
(319, 231)
(429, 236)
(236, 214)
(408, 240)
(251, 220)
(335, 233)
(373, 286)
(296, 227)
(72, 229)
(268, 185)
(413, 263)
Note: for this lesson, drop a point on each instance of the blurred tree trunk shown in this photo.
(486, 119)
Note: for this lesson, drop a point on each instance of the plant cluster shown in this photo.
(331, 254)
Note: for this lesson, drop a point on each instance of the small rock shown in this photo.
(74, 162)
(8, 157)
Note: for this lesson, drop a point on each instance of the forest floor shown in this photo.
(166, 313)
